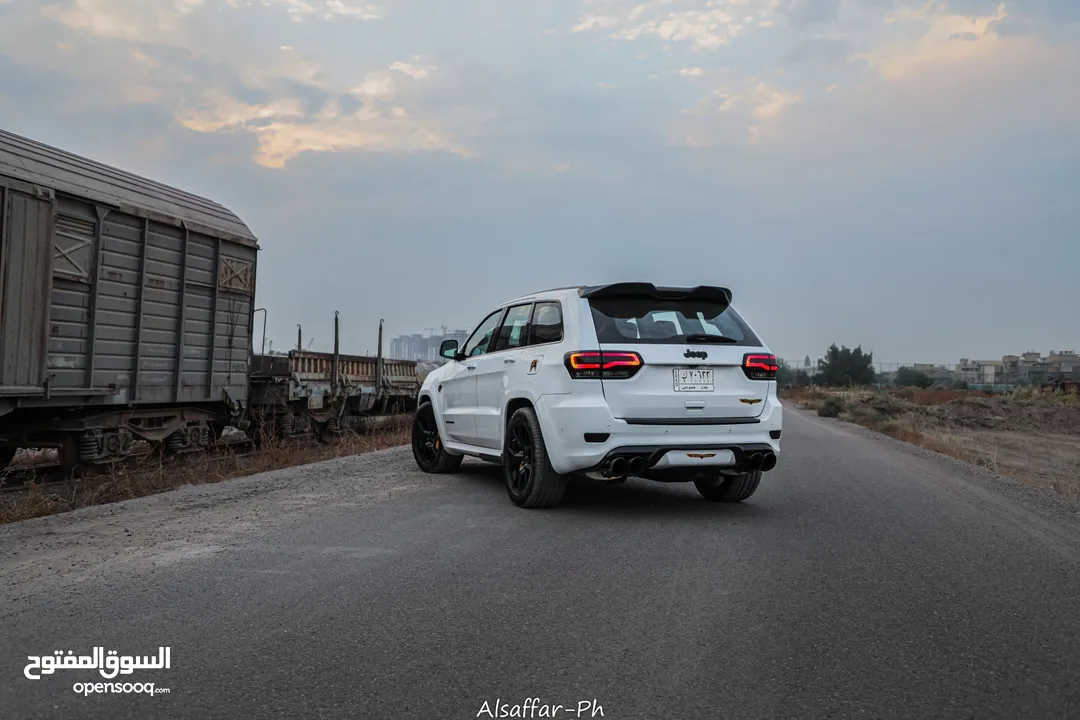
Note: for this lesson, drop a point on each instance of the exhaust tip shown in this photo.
(756, 461)
(635, 465)
(618, 466)
(769, 462)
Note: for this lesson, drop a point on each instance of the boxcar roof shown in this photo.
(34, 162)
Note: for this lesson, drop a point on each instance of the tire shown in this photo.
(734, 488)
(530, 480)
(428, 450)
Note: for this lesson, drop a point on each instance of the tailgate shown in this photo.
(694, 349)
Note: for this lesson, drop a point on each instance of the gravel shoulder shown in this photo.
(47, 554)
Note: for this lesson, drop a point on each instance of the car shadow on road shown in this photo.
(634, 497)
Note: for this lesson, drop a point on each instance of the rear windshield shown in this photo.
(649, 320)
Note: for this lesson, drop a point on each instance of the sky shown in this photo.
(897, 174)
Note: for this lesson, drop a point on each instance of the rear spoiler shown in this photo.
(701, 293)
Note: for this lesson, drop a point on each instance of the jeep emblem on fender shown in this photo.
(696, 354)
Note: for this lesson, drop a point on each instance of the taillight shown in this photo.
(760, 367)
(602, 364)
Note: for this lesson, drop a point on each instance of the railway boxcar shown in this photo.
(125, 309)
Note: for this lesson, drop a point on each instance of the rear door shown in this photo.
(693, 347)
(494, 371)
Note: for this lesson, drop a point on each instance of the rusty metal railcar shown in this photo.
(125, 308)
(301, 393)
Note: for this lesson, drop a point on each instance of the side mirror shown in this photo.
(449, 349)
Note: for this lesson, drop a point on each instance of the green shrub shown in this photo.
(831, 408)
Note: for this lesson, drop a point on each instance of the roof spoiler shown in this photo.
(701, 293)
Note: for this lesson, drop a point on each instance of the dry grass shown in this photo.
(935, 396)
(1029, 434)
(148, 476)
(1039, 395)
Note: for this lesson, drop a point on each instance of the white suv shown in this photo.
(610, 381)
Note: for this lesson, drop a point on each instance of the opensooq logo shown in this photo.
(108, 664)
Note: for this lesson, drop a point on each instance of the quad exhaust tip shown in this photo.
(618, 467)
(765, 461)
(622, 467)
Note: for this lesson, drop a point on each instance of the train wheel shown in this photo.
(216, 431)
(70, 455)
(328, 432)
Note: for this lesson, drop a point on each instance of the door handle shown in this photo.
(509, 360)
(470, 367)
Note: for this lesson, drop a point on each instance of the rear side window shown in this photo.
(547, 324)
(660, 322)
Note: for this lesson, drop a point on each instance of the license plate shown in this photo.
(687, 380)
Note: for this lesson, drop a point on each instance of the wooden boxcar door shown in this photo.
(26, 223)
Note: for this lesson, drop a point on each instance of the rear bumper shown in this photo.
(567, 419)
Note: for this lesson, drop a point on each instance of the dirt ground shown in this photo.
(141, 477)
(1028, 435)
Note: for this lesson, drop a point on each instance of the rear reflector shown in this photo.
(602, 365)
(760, 366)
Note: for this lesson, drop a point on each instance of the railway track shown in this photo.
(53, 475)
(43, 474)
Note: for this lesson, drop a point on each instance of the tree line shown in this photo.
(844, 367)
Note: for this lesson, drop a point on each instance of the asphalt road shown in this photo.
(864, 579)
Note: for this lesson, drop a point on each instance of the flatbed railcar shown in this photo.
(320, 394)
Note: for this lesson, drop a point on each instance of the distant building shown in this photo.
(423, 347)
(981, 372)
(1063, 361)
(1030, 366)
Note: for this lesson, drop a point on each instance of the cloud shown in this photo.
(945, 37)
(162, 22)
(951, 110)
(736, 115)
(768, 101)
(413, 69)
(893, 70)
(807, 12)
(167, 54)
(676, 21)
(284, 131)
(370, 117)
(300, 10)
(131, 20)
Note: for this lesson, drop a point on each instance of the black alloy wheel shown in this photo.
(519, 450)
(428, 450)
(531, 482)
